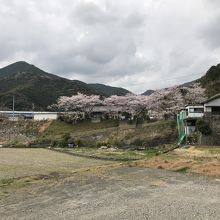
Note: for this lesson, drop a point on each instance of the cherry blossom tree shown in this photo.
(171, 100)
(163, 102)
(79, 102)
(135, 105)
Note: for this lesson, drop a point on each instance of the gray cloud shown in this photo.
(139, 44)
(211, 33)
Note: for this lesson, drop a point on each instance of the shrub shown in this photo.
(79, 142)
(62, 143)
(54, 143)
(137, 142)
(66, 137)
(72, 118)
(102, 143)
(203, 127)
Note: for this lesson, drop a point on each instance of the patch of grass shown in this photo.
(60, 128)
(167, 157)
(6, 181)
(182, 169)
(119, 154)
(214, 150)
(54, 174)
(94, 134)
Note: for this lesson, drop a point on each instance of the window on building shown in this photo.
(199, 110)
(196, 110)
(216, 110)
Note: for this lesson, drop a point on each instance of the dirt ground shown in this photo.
(53, 185)
(117, 193)
(18, 163)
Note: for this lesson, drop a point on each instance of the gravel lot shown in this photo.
(120, 193)
(17, 163)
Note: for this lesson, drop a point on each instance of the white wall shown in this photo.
(45, 116)
(195, 115)
(208, 109)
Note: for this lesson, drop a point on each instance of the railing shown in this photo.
(181, 117)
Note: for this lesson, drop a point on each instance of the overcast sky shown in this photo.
(136, 44)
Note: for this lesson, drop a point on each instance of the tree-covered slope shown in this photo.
(109, 90)
(211, 81)
(148, 92)
(32, 86)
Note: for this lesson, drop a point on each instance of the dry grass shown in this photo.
(45, 126)
(202, 161)
(17, 163)
(212, 153)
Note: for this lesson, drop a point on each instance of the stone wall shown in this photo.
(19, 131)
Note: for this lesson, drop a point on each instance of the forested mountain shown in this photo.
(211, 81)
(32, 86)
(109, 90)
(148, 92)
(36, 89)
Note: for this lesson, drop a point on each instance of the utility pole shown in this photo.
(13, 107)
(33, 107)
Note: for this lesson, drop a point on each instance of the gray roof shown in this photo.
(212, 98)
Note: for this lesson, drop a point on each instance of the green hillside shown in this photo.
(109, 90)
(148, 92)
(31, 85)
(211, 81)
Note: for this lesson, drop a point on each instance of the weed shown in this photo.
(182, 169)
(6, 181)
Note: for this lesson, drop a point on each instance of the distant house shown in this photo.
(17, 115)
(208, 110)
(193, 112)
(97, 113)
(212, 106)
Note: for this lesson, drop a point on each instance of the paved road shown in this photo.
(122, 193)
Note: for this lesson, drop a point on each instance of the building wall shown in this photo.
(45, 116)
(195, 111)
(195, 115)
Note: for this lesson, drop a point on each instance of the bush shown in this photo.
(203, 127)
(53, 143)
(137, 142)
(62, 143)
(79, 143)
(66, 137)
(72, 118)
(102, 143)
